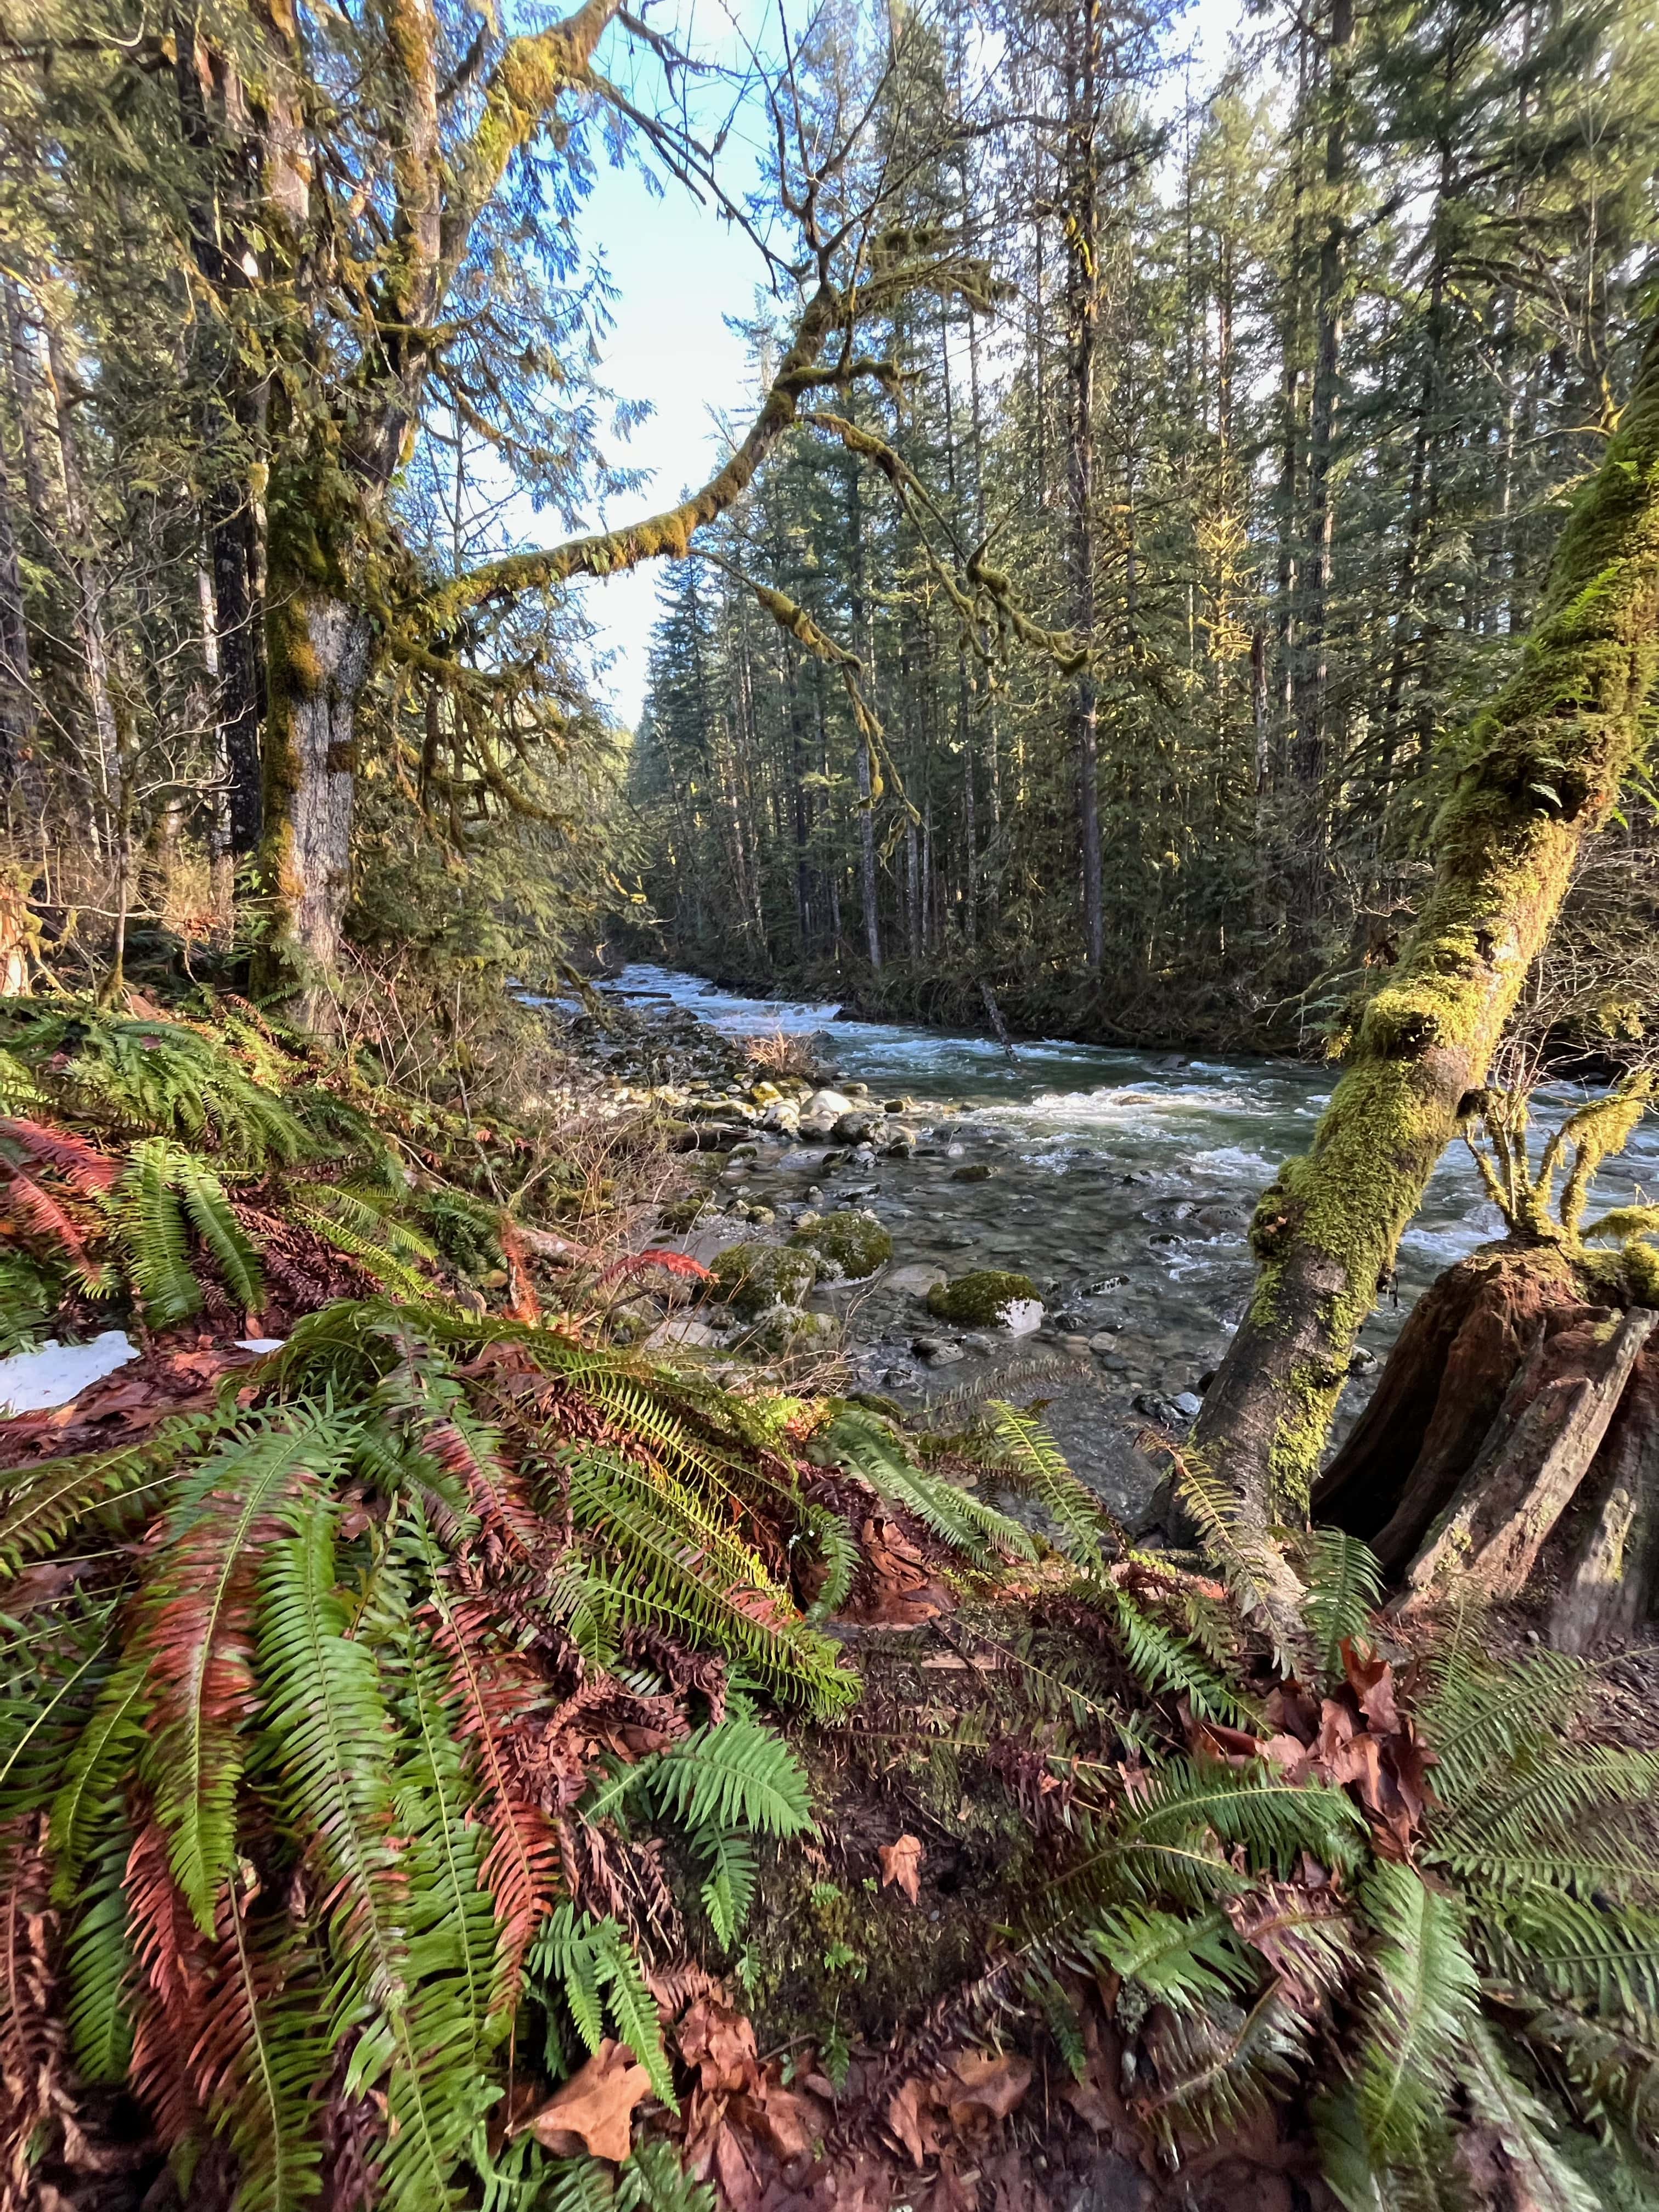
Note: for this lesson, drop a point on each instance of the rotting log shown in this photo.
(1608, 1588)
(1540, 770)
(1551, 1425)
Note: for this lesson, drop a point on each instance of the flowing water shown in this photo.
(1122, 1182)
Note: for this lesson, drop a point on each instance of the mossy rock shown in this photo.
(754, 1277)
(849, 1245)
(984, 1299)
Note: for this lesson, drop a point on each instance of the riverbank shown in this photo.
(1196, 1012)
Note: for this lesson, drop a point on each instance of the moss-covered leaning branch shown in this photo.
(1542, 769)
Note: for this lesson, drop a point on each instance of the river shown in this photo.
(1122, 1182)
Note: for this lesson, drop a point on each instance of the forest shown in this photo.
(523, 1685)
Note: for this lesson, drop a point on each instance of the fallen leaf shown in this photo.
(996, 2084)
(720, 2043)
(901, 1862)
(910, 2123)
(594, 2109)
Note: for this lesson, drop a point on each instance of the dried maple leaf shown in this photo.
(901, 1862)
(991, 2084)
(593, 2111)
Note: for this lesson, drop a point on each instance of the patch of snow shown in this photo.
(1022, 1316)
(32, 1381)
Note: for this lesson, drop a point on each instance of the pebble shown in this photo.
(937, 1351)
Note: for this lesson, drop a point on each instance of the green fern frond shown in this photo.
(591, 1965)
(1345, 1586)
(330, 1741)
(313, 1210)
(1168, 1663)
(653, 2180)
(1253, 1573)
(210, 1216)
(100, 1962)
(149, 1223)
(105, 1753)
(728, 1887)
(833, 1541)
(737, 1774)
(673, 1569)
(867, 1447)
(195, 1635)
(1418, 2013)
(1027, 1449)
(1519, 2121)
(1179, 1962)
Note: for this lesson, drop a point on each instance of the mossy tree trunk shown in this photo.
(318, 646)
(1542, 766)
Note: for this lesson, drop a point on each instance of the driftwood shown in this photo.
(1609, 1586)
(1539, 1450)
(998, 1025)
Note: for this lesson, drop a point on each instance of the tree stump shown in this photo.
(1512, 1389)
(1609, 1586)
(1538, 1451)
(1439, 1394)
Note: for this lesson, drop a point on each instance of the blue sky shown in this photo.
(680, 271)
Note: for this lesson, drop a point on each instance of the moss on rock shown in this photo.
(753, 1278)
(983, 1298)
(849, 1245)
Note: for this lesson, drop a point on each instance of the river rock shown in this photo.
(847, 1246)
(681, 1334)
(937, 1351)
(990, 1296)
(914, 1281)
(1187, 1404)
(976, 1171)
(853, 1128)
(827, 1106)
(754, 1277)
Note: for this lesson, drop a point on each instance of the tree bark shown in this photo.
(1439, 1394)
(1608, 1588)
(1556, 1412)
(1542, 766)
(1082, 311)
(319, 650)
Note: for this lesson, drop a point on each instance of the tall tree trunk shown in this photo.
(1543, 766)
(1313, 663)
(864, 633)
(318, 654)
(1082, 314)
(20, 775)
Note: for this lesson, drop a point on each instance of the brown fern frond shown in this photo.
(82, 1165)
(496, 1693)
(34, 2067)
(523, 1304)
(42, 1217)
(509, 1524)
(176, 1975)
